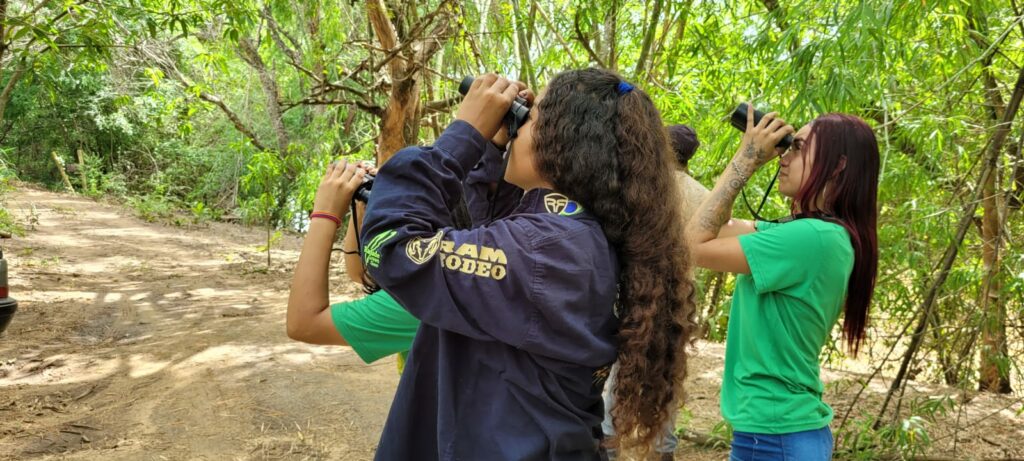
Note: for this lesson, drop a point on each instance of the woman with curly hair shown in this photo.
(796, 276)
(522, 318)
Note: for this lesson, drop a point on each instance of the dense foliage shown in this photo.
(203, 109)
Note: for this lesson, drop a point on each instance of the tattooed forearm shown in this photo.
(714, 216)
(717, 208)
(743, 176)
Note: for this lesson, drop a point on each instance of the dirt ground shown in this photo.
(139, 341)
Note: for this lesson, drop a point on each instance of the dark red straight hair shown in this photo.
(846, 161)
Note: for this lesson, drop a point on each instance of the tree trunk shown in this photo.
(522, 46)
(401, 119)
(5, 96)
(1016, 198)
(712, 306)
(992, 151)
(992, 376)
(645, 50)
(610, 23)
(3, 30)
(81, 171)
(251, 56)
(316, 51)
(392, 122)
(60, 169)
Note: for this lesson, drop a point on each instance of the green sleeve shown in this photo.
(782, 257)
(375, 326)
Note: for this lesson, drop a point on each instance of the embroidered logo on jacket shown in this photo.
(420, 250)
(371, 251)
(561, 205)
(474, 259)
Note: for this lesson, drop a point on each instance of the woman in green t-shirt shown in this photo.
(794, 277)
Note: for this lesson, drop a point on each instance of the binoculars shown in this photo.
(363, 191)
(517, 115)
(739, 121)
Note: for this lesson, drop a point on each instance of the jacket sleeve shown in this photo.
(457, 280)
(487, 204)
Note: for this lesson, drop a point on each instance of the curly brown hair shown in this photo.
(605, 146)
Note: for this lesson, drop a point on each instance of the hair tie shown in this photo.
(624, 88)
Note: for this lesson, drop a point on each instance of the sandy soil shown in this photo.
(142, 341)
(138, 341)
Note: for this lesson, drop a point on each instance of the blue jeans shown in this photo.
(813, 445)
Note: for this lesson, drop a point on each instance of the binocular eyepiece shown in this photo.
(739, 121)
(363, 191)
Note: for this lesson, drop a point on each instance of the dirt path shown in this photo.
(138, 341)
(141, 341)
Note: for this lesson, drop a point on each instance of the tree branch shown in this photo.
(249, 53)
(239, 125)
(294, 57)
(167, 66)
(585, 42)
(645, 50)
(558, 35)
(311, 101)
(441, 105)
(5, 96)
(994, 146)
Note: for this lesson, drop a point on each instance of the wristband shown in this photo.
(325, 215)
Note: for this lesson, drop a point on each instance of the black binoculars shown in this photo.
(515, 118)
(363, 191)
(739, 121)
(517, 113)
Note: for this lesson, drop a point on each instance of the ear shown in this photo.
(841, 167)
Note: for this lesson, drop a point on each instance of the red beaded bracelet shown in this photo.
(325, 215)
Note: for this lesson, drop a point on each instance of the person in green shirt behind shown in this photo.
(795, 277)
(376, 325)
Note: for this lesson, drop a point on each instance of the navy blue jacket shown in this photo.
(517, 315)
(484, 201)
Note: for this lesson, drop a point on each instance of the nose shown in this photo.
(784, 158)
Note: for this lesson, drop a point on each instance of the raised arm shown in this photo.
(712, 237)
(446, 277)
(308, 318)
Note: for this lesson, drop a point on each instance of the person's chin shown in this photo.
(509, 179)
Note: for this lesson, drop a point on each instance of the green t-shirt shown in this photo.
(782, 314)
(375, 326)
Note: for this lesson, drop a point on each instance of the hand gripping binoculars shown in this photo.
(739, 121)
(517, 115)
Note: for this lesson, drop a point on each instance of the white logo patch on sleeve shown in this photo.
(420, 250)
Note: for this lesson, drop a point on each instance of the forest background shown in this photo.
(198, 110)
